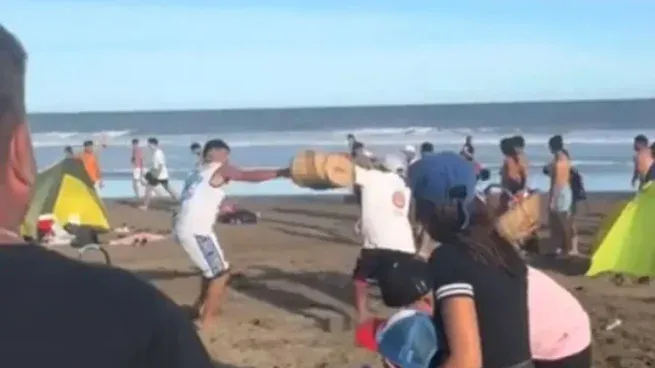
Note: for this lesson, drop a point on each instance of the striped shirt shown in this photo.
(500, 301)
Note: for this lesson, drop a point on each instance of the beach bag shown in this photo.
(317, 170)
(522, 220)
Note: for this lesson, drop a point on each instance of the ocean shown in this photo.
(598, 135)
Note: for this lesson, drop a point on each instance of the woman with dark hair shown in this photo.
(473, 281)
(476, 287)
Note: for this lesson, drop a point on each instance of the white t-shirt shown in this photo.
(159, 164)
(199, 202)
(385, 210)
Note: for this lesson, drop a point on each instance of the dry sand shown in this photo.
(292, 307)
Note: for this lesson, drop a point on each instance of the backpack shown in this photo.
(577, 186)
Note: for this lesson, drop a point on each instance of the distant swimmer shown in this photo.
(641, 149)
(136, 160)
(200, 203)
(157, 175)
(468, 151)
(560, 198)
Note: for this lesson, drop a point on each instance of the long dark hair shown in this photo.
(443, 223)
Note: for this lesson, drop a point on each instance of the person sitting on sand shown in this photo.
(560, 198)
(641, 149)
(200, 202)
(385, 225)
(59, 312)
(157, 175)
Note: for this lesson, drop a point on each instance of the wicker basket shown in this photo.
(339, 170)
(308, 170)
(521, 221)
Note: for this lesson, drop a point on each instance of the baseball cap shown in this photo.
(404, 281)
(409, 149)
(408, 339)
(393, 163)
(441, 177)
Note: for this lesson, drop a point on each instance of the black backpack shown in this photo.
(577, 186)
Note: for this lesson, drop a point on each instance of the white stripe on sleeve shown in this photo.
(454, 289)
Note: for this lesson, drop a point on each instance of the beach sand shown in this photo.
(291, 307)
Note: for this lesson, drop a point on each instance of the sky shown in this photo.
(89, 55)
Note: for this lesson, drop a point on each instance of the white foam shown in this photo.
(391, 136)
(602, 182)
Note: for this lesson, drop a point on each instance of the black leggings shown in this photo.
(579, 360)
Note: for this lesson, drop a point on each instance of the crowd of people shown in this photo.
(428, 243)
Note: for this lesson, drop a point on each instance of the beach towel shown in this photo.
(627, 245)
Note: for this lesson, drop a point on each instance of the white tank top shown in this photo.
(199, 201)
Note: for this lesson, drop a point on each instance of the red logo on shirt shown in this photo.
(398, 199)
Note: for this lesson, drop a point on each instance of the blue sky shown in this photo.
(117, 55)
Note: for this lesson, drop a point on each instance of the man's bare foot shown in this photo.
(143, 208)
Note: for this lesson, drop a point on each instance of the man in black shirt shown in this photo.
(57, 312)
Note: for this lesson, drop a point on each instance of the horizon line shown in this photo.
(354, 106)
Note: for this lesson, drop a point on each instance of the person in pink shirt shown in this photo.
(560, 331)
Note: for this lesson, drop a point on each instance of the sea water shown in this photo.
(598, 135)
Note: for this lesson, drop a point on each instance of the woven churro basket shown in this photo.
(521, 220)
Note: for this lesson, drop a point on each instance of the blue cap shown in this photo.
(441, 177)
(409, 339)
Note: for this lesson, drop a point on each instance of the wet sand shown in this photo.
(292, 307)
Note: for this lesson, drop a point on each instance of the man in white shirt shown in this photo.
(385, 227)
(157, 175)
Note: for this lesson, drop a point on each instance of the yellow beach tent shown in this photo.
(65, 191)
(627, 245)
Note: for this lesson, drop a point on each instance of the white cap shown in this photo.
(393, 163)
(409, 149)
